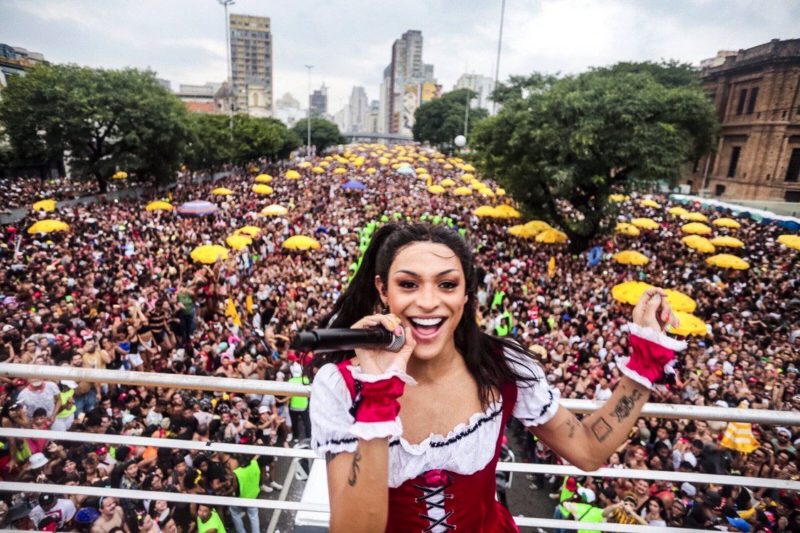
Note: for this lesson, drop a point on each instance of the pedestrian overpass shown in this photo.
(377, 138)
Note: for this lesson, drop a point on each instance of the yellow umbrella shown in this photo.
(468, 168)
(792, 241)
(538, 226)
(300, 242)
(627, 229)
(262, 189)
(120, 175)
(727, 242)
(500, 191)
(325, 164)
(339, 171)
(318, 170)
(48, 225)
(688, 324)
(222, 191)
(239, 242)
(436, 189)
(483, 191)
(701, 244)
(645, 223)
(292, 175)
(484, 211)
(447, 182)
(739, 437)
(728, 261)
(618, 198)
(506, 211)
(631, 257)
(263, 178)
(383, 161)
(209, 254)
(274, 210)
(696, 228)
(372, 170)
(467, 177)
(726, 223)
(695, 217)
(250, 231)
(447, 166)
(552, 236)
(677, 211)
(421, 170)
(48, 206)
(304, 164)
(159, 205)
(462, 191)
(650, 203)
(521, 231)
(680, 301)
(629, 292)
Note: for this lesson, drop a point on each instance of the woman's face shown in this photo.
(427, 290)
(653, 507)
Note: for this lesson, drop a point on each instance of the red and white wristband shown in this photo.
(376, 407)
(652, 354)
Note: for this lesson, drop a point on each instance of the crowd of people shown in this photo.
(120, 291)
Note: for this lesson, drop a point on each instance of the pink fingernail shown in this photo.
(398, 330)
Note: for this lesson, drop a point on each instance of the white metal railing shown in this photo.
(252, 386)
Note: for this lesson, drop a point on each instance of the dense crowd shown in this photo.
(24, 191)
(119, 291)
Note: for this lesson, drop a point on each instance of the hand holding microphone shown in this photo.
(380, 360)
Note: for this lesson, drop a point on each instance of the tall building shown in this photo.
(251, 64)
(372, 124)
(319, 102)
(288, 111)
(358, 109)
(757, 96)
(16, 61)
(407, 83)
(482, 85)
(199, 98)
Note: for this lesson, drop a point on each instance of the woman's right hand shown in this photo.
(378, 361)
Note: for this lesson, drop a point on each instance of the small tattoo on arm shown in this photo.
(572, 424)
(625, 405)
(601, 429)
(354, 468)
(330, 456)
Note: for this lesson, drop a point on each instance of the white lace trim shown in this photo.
(657, 337)
(374, 378)
(377, 430)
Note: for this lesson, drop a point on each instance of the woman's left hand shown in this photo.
(653, 311)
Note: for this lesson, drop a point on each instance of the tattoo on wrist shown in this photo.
(626, 404)
(601, 429)
(354, 469)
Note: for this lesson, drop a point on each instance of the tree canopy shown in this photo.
(101, 120)
(324, 133)
(441, 120)
(562, 145)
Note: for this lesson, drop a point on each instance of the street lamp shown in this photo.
(308, 120)
(499, 47)
(225, 4)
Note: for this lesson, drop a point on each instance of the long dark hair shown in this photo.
(482, 353)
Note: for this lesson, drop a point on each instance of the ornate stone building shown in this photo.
(757, 96)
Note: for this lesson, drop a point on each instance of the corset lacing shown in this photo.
(434, 498)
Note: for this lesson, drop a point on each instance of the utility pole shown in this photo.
(499, 47)
(466, 113)
(308, 121)
(225, 4)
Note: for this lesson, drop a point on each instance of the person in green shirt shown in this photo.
(298, 406)
(208, 520)
(247, 481)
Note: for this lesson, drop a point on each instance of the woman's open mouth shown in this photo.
(426, 328)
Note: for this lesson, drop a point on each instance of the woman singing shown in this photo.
(412, 438)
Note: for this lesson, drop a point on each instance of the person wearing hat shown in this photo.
(38, 393)
(581, 507)
(62, 509)
(19, 517)
(783, 441)
(298, 405)
(624, 512)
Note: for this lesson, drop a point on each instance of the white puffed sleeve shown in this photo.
(330, 413)
(537, 401)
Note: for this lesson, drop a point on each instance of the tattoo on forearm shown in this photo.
(572, 424)
(626, 404)
(601, 429)
(330, 456)
(354, 468)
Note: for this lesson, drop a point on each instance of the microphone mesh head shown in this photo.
(397, 342)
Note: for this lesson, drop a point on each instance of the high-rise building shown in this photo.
(481, 85)
(755, 92)
(251, 64)
(404, 79)
(319, 102)
(373, 117)
(358, 109)
(288, 111)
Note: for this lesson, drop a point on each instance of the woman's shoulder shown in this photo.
(522, 362)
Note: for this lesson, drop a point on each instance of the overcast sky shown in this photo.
(349, 41)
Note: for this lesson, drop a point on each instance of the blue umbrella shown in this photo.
(198, 207)
(406, 169)
(354, 185)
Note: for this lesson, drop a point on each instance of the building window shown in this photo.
(719, 190)
(793, 172)
(735, 152)
(751, 105)
(742, 101)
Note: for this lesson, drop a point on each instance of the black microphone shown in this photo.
(339, 339)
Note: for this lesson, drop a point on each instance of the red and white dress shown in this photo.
(446, 481)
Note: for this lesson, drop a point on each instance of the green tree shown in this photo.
(260, 137)
(210, 142)
(562, 145)
(102, 120)
(441, 120)
(324, 133)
